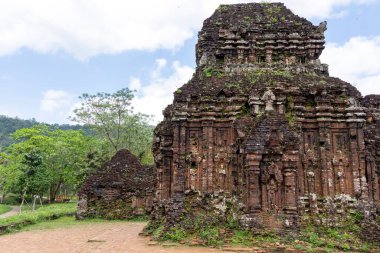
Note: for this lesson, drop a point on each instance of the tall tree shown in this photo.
(34, 179)
(111, 115)
(106, 113)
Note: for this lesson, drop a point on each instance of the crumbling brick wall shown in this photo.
(121, 189)
(372, 143)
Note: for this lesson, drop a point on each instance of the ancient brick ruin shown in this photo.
(262, 126)
(122, 188)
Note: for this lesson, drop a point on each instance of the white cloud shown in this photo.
(356, 61)
(87, 28)
(56, 106)
(160, 64)
(55, 99)
(152, 98)
(134, 83)
(369, 84)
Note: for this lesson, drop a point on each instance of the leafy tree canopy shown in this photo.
(43, 160)
(112, 117)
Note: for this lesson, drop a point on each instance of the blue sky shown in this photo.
(52, 51)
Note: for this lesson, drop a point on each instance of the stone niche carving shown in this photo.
(272, 179)
(267, 103)
(261, 123)
(268, 98)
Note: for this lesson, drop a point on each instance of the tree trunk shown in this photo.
(22, 200)
(41, 199)
(24, 195)
(3, 195)
(53, 192)
(34, 202)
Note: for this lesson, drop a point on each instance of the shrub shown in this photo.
(242, 237)
(175, 234)
(210, 235)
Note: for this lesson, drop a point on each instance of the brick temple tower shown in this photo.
(262, 124)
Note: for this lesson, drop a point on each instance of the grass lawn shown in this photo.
(28, 217)
(64, 222)
(50, 217)
(4, 208)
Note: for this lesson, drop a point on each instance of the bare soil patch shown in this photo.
(102, 237)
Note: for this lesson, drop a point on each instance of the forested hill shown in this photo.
(8, 125)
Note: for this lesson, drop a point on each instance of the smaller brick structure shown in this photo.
(122, 188)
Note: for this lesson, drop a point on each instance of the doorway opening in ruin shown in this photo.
(219, 58)
(261, 59)
(302, 59)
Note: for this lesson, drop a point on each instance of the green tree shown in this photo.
(34, 179)
(112, 117)
(63, 159)
(9, 174)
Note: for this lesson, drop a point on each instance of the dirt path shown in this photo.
(15, 210)
(105, 237)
